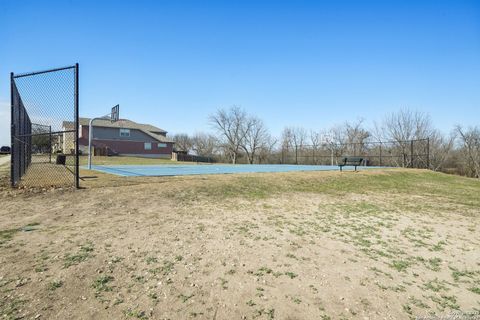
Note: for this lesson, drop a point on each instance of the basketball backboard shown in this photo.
(114, 116)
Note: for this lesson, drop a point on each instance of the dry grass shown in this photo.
(48, 174)
(306, 245)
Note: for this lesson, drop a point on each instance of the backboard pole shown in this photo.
(90, 133)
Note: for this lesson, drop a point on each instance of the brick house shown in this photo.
(125, 137)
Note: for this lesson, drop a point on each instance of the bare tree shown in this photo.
(346, 138)
(355, 136)
(293, 138)
(440, 149)
(470, 145)
(315, 141)
(326, 146)
(266, 150)
(204, 144)
(337, 134)
(336, 141)
(256, 137)
(232, 127)
(299, 136)
(403, 126)
(286, 143)
(182, 142)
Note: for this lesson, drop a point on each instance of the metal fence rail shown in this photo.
(44, 128)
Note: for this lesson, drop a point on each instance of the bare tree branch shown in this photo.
(232, 126)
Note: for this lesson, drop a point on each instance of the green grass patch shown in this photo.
(83, 254)
(167, 267)
(12, 308)
(250, 303)
(443, 302)
(458, 274)
(439, 246)
(138, 314)
(436, 285)
(101, 283)
(54, 285)
(475, 289)
(7, 235)
(434, 264)
(291, 275)
(263, 271)
(400, 265)
(151, 260)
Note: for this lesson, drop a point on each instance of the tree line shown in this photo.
(405, 137)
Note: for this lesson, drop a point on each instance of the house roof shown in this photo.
(148, 129)
(121, 123)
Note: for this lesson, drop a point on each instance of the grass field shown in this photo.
(390, 244)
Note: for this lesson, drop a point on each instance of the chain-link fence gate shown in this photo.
(44, 128)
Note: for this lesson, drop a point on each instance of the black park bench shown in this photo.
(350, 161)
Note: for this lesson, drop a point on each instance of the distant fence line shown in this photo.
(181, 156)
(408, 154)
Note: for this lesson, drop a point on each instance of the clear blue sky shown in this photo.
(300, 63)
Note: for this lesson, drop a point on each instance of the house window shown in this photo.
(148, 146)
(162, 145)
(124, 132)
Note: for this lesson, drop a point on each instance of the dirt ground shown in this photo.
(327, 245)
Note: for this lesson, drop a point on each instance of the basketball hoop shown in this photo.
(114, 116)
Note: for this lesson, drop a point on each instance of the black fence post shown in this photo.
(380, 154)
(12, 134)
(411, 154)
(77, 172)
(428, 153)
(50, 143)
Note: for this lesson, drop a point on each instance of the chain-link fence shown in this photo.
(408, 154)
(182, 156)
(44, 128)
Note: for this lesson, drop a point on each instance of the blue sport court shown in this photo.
(184, 170)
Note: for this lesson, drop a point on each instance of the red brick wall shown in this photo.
(125, 146)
